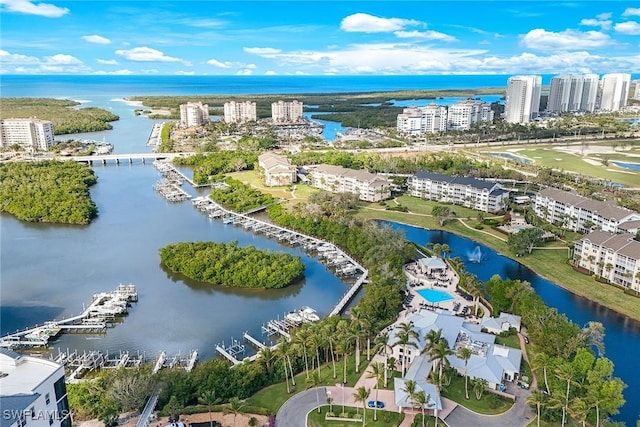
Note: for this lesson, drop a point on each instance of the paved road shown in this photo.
(294, 411)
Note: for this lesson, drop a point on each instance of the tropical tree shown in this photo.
(301, 337)
(234, 407)
(382, 343)
(267, 358)
(439, 355)
(479, 385)
(544, 362)
(579, 410)
(536, 398)
(565, 372)
(377, 373)
(361, 395)
(279, 352)
(329, 330)
(422, 399)
(209, 398)
(405, 337)
(314, 382)
(465, 354)
(410, 389)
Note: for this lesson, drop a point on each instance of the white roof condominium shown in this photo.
(614, 91)
(572, 93)
(194, 114)
(32, 392)
(523, 99)
(32, 133)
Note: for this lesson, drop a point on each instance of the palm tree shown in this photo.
(579, 410)
(377, 373)
(329, 330)
(410, 389)
(465, 354)
(235, 406)
(209, 398)
(565, 372)
(405, 337)
(314, 382)
(433, 337)
(536, 398)
(439, 355)
(343, 347)
(361, 395)
(445, 250)
(315, 341)
(422, 399)
(543, 361)
(301, 337)
(479, 385)
(267, 358)
(382, 342)
(283, 354)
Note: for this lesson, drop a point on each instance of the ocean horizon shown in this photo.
(54, 85)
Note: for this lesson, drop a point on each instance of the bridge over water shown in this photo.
(127, 157)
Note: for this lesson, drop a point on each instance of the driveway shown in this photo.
(294, 411)
(520, 414)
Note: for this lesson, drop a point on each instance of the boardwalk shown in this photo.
(125, 158)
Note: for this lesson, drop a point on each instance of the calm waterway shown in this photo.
(622, 339)
(48, 271)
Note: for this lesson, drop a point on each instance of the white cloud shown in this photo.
(146, 54)
(244, 72)
(426, 35)
(262, 51)
(604, 16)
(16, 58)
(604, 24)
(365, 23)
(27, 7)
(251, 66)
(202, 23)
(219, 64)
(628, 27)
(631, 11)
(270, 73)
(185, 73)
(123, 72)
(107, 61)
(62, 59)
(566, 40)
(96, 39)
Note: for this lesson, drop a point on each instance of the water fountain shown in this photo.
(475, 256)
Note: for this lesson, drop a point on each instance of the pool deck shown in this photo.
(446, 281)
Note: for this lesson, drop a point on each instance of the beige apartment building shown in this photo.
(240, 112)
(31, 134)
(336, 179)
(194, 114)
(278, 170)
(286, 112)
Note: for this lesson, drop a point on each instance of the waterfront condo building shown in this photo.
(578, 213)
(194, 114)
(421, 120)
(523, 99)
(286, 112)
(636, 86)
(573, 93)
(31, 134)
(462, 115)
(614, 91)
(336, 179)
(614, 257)
(239, 112)
(466, 191)
(278, 170)
(32, 392)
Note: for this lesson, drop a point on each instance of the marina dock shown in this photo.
(104, 309)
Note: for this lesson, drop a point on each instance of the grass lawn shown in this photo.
(569, 423)
(511, 341)
(251, 177)
(385, 418)
(549, 156)
(273, 396)
(550, 264)
(489, 403)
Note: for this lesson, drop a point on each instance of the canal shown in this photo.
(622, 337)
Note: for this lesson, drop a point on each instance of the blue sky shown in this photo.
(328, 37)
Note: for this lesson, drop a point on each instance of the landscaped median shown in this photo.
(335, 417)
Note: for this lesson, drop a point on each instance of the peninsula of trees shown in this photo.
(229, 265)
(47, 191)
(65, 118)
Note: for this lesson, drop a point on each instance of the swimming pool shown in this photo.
(434, 296)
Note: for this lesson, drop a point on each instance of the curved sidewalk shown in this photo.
(293, 413)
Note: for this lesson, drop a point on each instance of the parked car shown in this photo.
(375, 404)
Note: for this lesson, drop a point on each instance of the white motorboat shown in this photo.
(309, 314)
